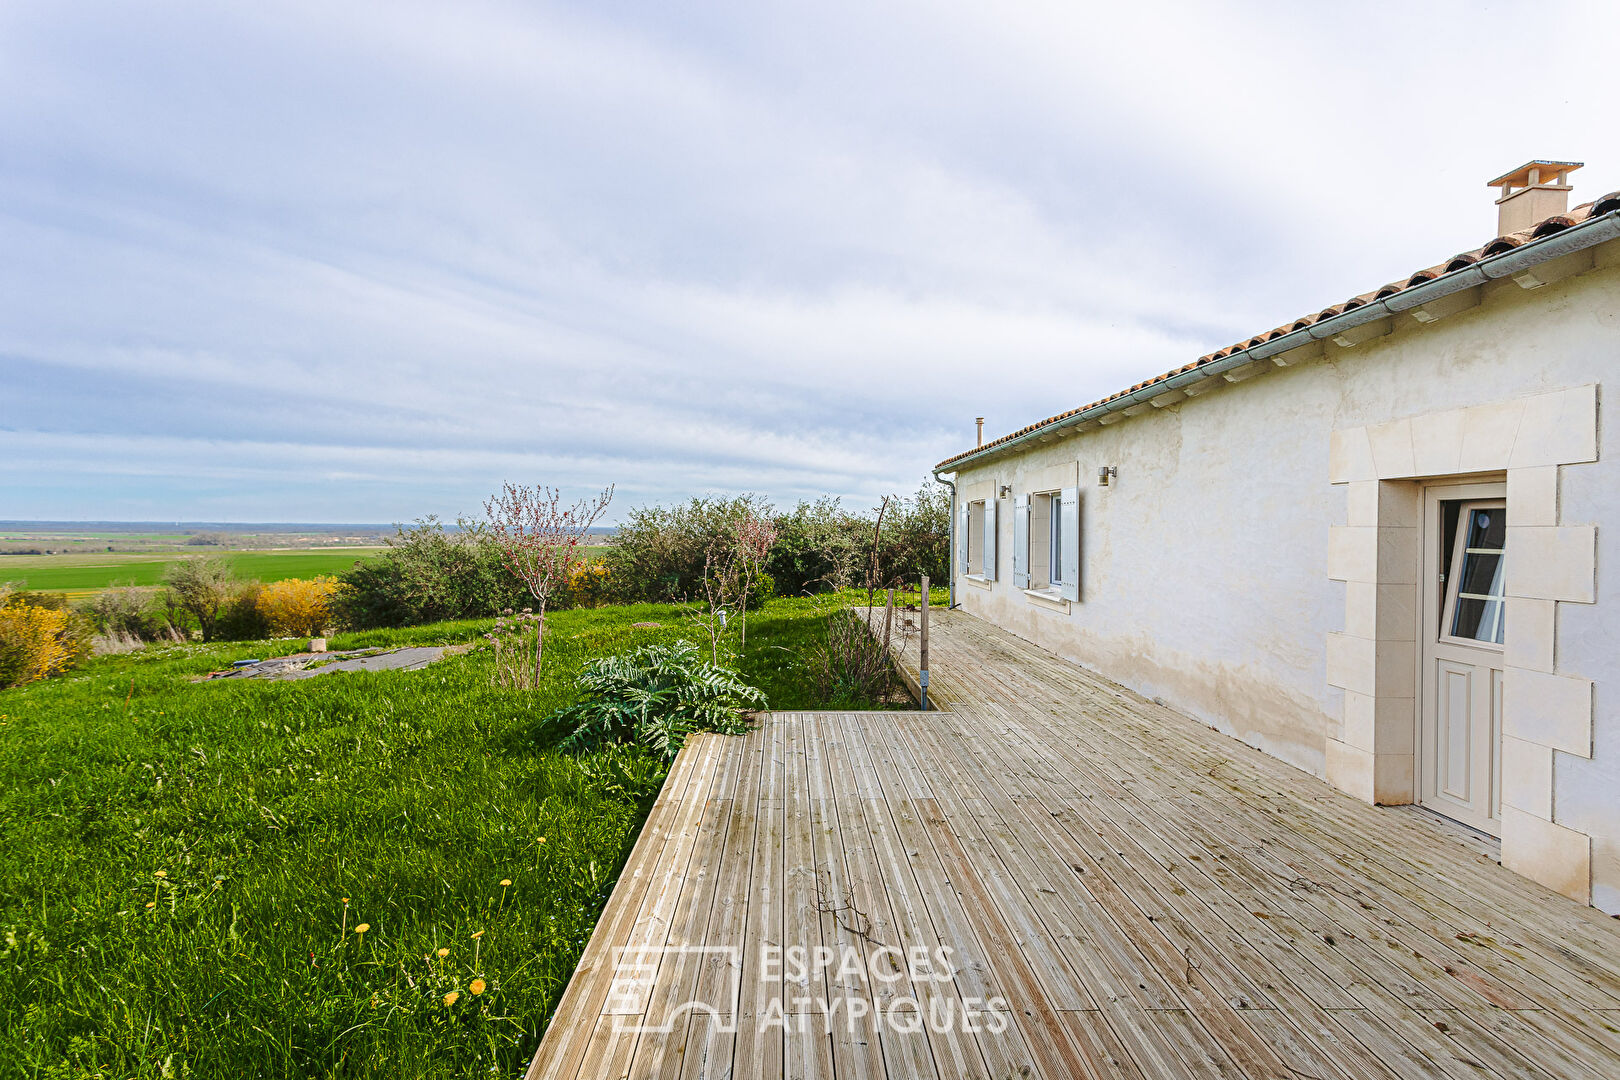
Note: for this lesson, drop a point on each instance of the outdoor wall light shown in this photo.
(1105, 473)
(1006, 490)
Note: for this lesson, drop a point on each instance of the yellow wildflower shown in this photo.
(451, 998)
(505, 882)
(478, 935)
(362, 928)
(476, 986)
(443, 953)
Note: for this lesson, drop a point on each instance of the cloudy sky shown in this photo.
(339, 261)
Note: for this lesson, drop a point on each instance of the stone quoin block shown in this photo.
(1552, 710)
(1559, 858)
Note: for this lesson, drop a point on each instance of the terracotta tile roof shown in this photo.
(1498, 245)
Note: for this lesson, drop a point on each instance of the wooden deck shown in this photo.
(1117, 891)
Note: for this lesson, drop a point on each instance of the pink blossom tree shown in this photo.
(542, 539)
(755, 537)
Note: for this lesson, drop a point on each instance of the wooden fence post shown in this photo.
(922, 653)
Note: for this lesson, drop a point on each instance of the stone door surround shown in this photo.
(1375, 660)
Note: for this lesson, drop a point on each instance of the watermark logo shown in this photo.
(635, 972)
(821, 989)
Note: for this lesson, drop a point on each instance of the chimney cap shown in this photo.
(1545, 170)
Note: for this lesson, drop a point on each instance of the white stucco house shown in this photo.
(1381, 542)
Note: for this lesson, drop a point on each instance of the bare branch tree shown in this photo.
(542, 539)
(732, 565)
(872, 566)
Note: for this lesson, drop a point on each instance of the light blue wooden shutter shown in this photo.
(1021, 542)
(991, 505)
(1070, 557)
(963, 548)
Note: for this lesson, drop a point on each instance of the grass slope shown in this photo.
(186, 864)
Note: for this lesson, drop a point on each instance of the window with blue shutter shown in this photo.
(1066, 542)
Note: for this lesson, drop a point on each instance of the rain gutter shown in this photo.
(950, 554)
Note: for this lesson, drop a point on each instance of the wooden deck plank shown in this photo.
(1230, 998)
(1402, 843)
(1249, 923)
(1446, 973)
(1149, 897)
(581, 1004)
(956, 1055)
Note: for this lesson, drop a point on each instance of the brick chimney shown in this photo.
(1533, 192)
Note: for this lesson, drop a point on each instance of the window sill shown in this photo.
(976, 580)
(1050, 599)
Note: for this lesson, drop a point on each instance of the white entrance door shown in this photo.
(1459, 749)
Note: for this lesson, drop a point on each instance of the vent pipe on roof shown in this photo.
(980, 422)
(1533, 192)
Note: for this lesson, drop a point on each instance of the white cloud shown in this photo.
(369, 260)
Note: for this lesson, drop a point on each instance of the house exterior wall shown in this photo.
(1239, 567)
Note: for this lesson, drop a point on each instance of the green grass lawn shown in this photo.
(79, 574)
(186, 863)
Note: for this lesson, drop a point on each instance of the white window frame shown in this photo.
(1043, 585)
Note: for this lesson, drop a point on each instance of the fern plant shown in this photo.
(655, 697)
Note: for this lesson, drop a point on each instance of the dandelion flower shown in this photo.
(451, 998)
(476, 987)
(541, 840)
(161, 873)
(443, 953)
(345, 899)
(478, 935)
(505, 882)
(151, 903)
(362, 928)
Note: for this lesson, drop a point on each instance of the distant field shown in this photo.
(80, 574)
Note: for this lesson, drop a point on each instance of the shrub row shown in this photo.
(430, 574)
(658, 554)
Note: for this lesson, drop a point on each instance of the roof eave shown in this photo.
(1579, 237)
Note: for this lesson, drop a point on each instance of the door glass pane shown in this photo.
(1478, 619)
(1487, 528)
(1478, 582)
(1481, 575)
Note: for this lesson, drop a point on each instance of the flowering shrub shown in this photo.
(39, 637)
(298, 606)
(588, 584)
